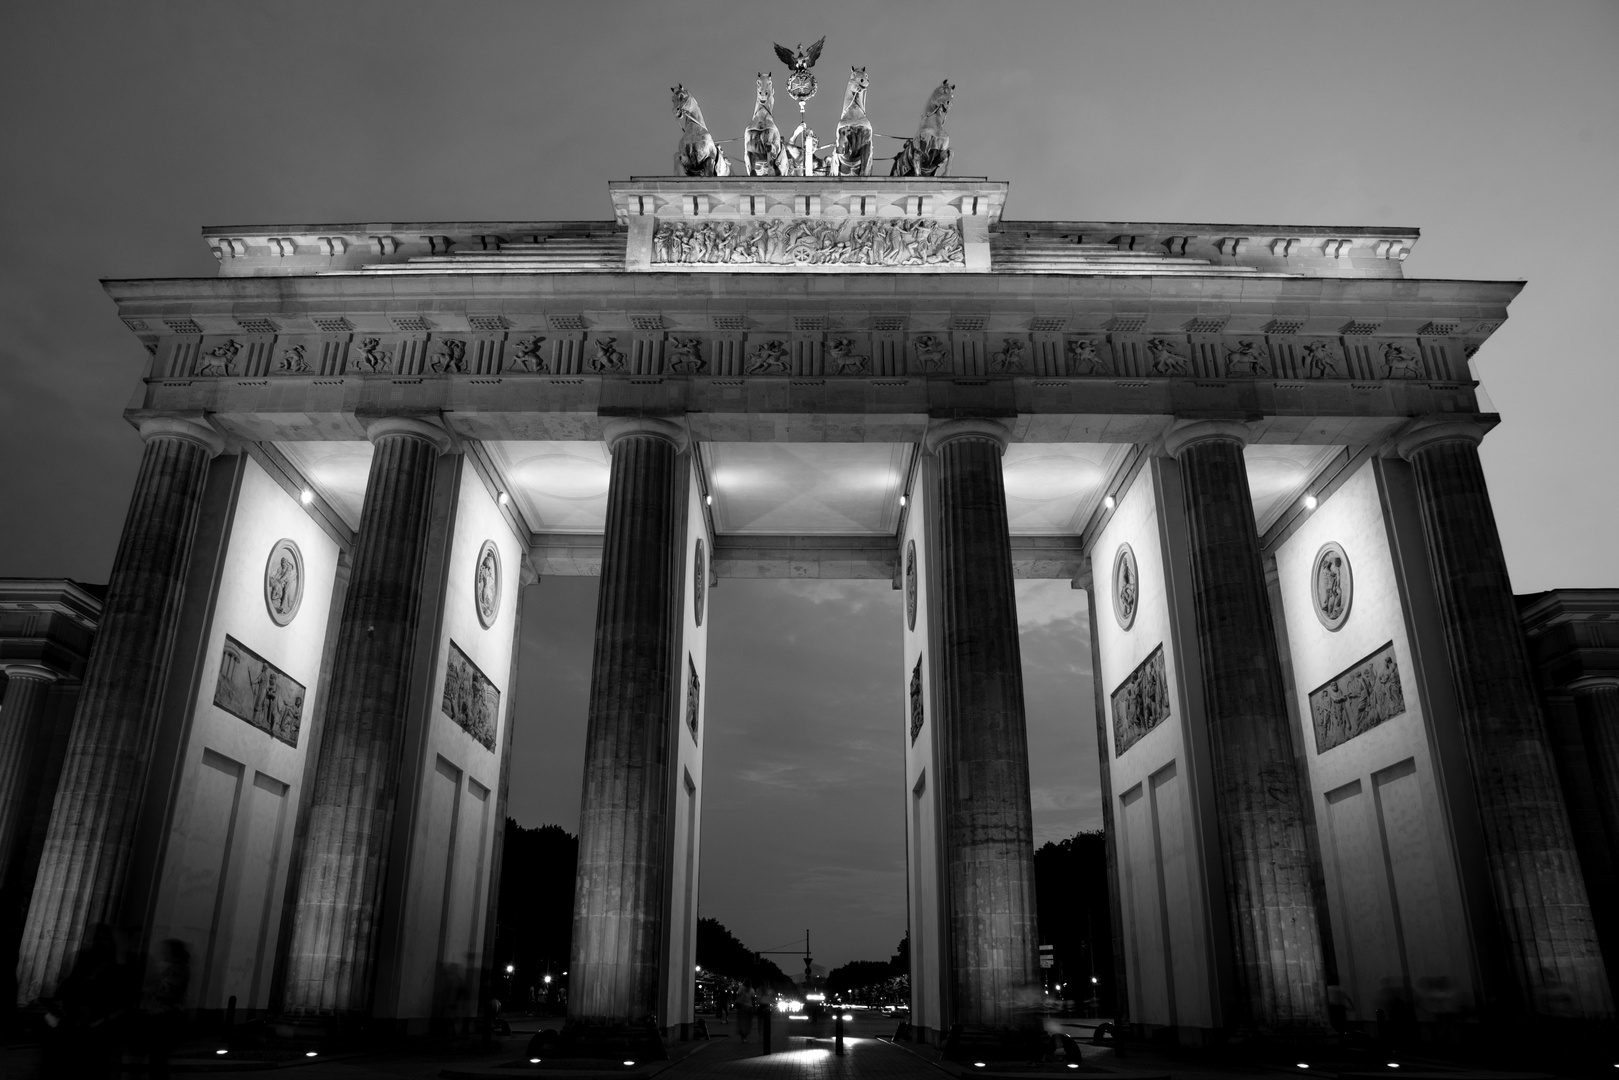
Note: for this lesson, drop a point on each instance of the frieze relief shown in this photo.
(251, 688)
(469, 698)
(1357, 700)
(1141, 702)
(785, 241)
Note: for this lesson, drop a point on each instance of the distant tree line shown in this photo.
(535, 911)
(1071, 894)
(719, 952)
(874, 982)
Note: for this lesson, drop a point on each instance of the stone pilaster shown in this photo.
(1258, 796)
(20, 715)
(618, 898)
(989, 828)
(1596, 701)
(331, 957)
(1540, 894)
(85, 858)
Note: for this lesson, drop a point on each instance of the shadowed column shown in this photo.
(1259, 801)
(85, 857)
(989, 827)
(1596, 701)
(331, 958)
(1539, 892)
(26, 688)
(618, 898)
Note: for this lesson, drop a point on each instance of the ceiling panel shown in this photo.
(1278, 474)
(557, 486)
(1055, 487)
(806, 488)
(337, 471)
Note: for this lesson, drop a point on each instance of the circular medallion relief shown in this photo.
(1126, 586)
(1332, 585)
(284, 581)
(699, 583)
(486, 584)
(910, 584)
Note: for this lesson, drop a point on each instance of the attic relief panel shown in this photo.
(801, 241)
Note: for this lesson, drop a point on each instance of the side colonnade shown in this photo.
(1287, 722)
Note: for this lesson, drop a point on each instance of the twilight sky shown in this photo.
(126, 128)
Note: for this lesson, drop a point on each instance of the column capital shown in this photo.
(384, 426)
(193, 431)
(1184, 433)
(30, 671)
(942, 431)
(1594, 682)
(1424, 433)
(623, 426)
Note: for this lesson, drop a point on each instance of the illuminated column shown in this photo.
(1535, 872)
(340, 878)
(20, 715)
(1259, 801)
(619, 893)
(85, 858)
(989, 828)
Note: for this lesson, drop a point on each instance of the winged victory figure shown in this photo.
(800, 83)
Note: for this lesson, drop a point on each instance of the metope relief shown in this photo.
(1126, 586)
(1084, 357)
(1332, 586)
(1357, 700)
(284, 581)
(253, 689)
(1141, 702)
(806, 242)
(470, 699)
(486, 584)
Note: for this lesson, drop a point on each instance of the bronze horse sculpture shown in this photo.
(928, 153)
(765, 154)
(853, 143)
(697, 154)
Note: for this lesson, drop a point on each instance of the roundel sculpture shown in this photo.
(284, 581)
(1126, 586)
(910, 584)
(1332, 585)
(486, 584)
(699, 583)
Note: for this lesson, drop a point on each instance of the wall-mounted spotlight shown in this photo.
(1109, 502)
(505, 499)
(708, 500)
(306, 496)
(902, 500)
(1310, 502)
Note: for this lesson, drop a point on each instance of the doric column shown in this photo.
(618, 900)
(989, 827)
(1529, 845)
(85, 857)
(20, 716)
(331, 958)
(619, 892)
(1258, 797)
(1596, 701)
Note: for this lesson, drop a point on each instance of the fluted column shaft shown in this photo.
(1258, 797)
(332, 956)
(618, 896)
(21, 714)
(85, 858)
(989, 827)
(1597, 706)
(1539, 891)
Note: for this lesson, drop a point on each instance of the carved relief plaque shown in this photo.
(803, 241)
(910, 584)
(470, 699)
(284, 582)
(699, 583)
(1357, 700)
(694, 696)
(486, 584)
(253, 689)
(1126, 586)
(1141, 702)
(1332, 586)
(916, 701)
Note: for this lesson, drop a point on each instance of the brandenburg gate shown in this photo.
(1255, 447)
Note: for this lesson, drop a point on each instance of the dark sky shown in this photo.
(125, 128)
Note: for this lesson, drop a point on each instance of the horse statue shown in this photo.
(928, 154)
(853, 144)
(697, 154)
(765, 154)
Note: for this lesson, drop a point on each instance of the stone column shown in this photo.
(989, 828)
(619, 892)
(20, 717)
(85, 857)
(1258, 797)
(331, 958)
(1596, 701)
(1539, 891)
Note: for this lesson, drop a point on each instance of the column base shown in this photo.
(965, 1046)
(587, 1041)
